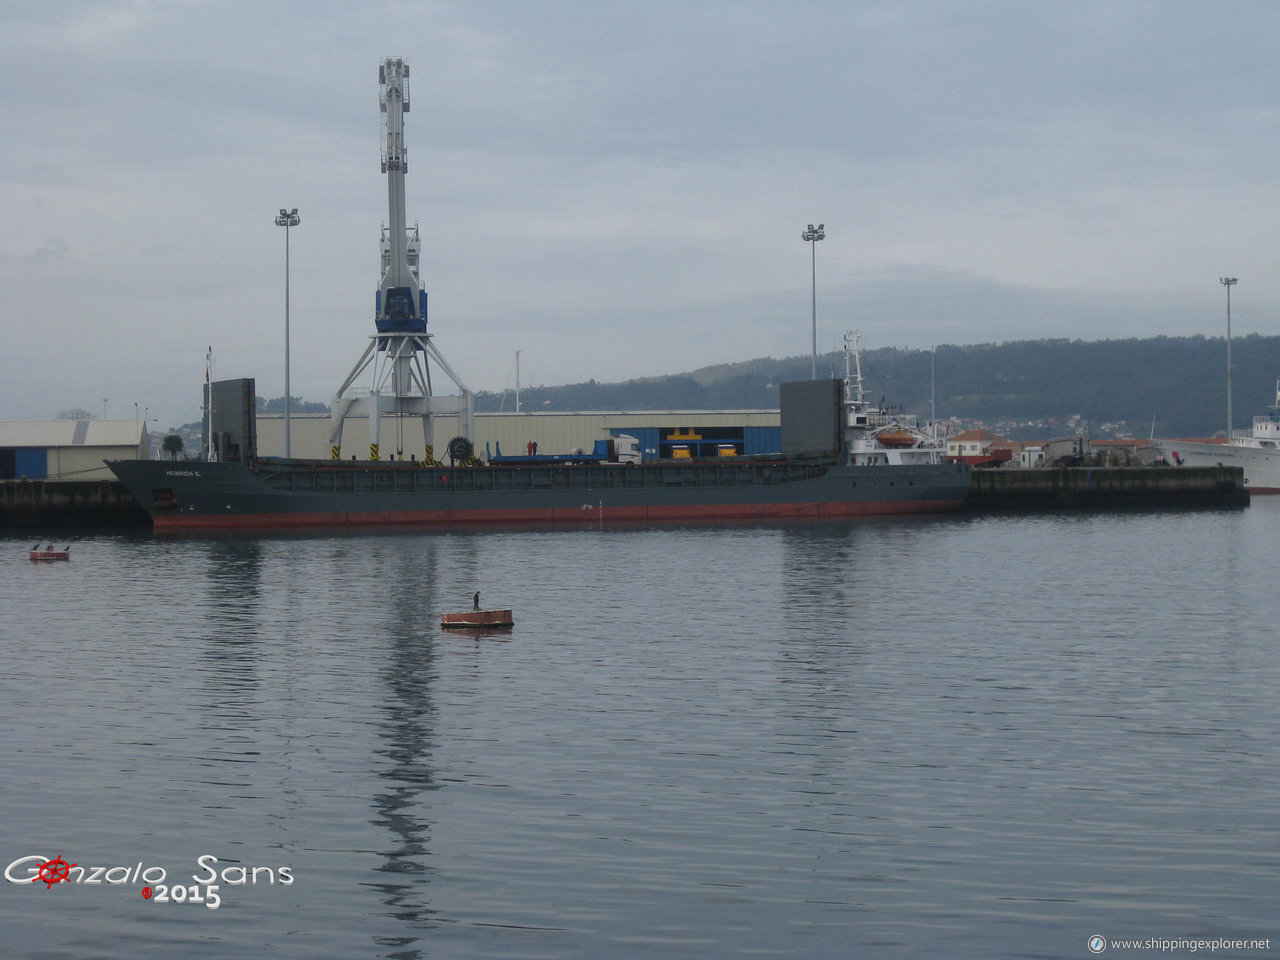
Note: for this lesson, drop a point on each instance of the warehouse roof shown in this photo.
(71, 433)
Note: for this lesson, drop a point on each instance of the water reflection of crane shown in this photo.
(407, 776)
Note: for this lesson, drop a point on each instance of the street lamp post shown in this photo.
(1228, 282)
(286, 219)
(811, 236)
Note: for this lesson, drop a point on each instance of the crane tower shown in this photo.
(400, 350)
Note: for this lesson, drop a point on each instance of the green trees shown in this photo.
(1023, 389)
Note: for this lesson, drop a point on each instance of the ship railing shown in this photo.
(908, 420)
(1263, 429)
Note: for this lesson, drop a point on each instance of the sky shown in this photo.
(618, 189)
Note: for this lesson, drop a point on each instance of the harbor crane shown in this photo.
(400, 350)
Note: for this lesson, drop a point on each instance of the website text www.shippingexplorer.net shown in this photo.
(1210, 945)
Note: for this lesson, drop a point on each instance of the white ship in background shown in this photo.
(1256, 450)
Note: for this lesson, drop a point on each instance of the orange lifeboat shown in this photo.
(896, 438)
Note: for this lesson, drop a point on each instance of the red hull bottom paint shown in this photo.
(446, 518)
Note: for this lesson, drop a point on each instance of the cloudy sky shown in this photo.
(617, 189)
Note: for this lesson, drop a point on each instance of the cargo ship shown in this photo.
(839, 457)
(276, 493)
(905, 473)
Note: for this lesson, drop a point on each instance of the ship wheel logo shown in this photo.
(53, 871)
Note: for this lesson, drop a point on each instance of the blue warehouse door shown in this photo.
(19, 462)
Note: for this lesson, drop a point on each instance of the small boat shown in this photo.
(489, 619)
(48, 553)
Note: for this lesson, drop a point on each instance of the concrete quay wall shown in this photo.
(1106, 487)
(53, 504)
(68, 504)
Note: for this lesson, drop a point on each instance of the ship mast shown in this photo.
(854, 394)
(399, 350)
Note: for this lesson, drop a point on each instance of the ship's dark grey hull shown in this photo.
(201, 496)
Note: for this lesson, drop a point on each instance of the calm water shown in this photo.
(960, 737)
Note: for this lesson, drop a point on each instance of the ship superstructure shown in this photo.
(874, 436)
(399, 354)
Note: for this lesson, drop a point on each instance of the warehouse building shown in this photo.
(69, 449)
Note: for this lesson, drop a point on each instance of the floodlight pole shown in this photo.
(811, 236)
(1228, 282)
(286, 219)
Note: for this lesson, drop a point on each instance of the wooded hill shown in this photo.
(1028, 389)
